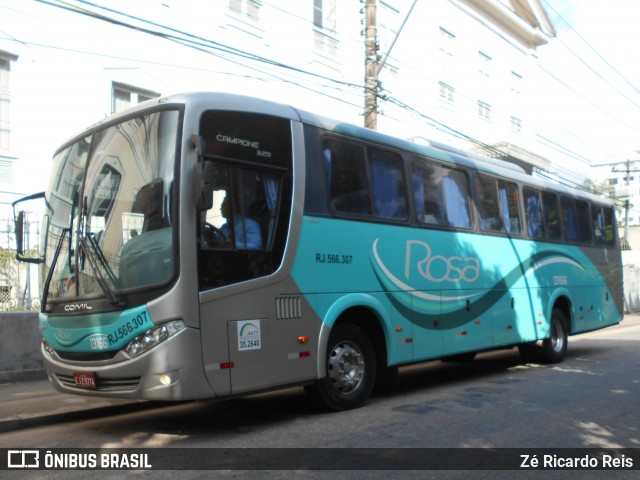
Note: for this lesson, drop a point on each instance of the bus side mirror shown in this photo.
(22, 230)
(19, 221)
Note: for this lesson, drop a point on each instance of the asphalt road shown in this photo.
(588, 401)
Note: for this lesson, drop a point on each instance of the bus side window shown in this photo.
(575, 220)
(387, 184)
(603, 226)
(346, 175)
(569, 219)
(584, 226)
(533, 206)
(427, 191)
(456, 194)
(487, 204)
(509, 206)
(551, 215)
(609, 233)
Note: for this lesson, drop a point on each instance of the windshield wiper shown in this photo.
(93, 253)
(104, 284)
(100, 256)
(54, 261)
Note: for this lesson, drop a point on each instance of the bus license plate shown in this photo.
(84, 380)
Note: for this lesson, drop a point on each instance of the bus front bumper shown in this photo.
(172, 370)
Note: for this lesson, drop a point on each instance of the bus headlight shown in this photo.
(153, 337)
(48, 348)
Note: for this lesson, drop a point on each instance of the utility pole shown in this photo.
(627, 180)
(371, 66)
(627, 205)
(373, 63)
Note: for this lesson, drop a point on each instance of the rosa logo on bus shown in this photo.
(438, 268)
(428, 276)
(249, 335)
(426, 271)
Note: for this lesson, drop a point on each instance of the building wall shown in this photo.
(20, 357)
(453, 49)
(67, 63)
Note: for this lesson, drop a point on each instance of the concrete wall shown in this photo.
(631, 274)
(20, 357)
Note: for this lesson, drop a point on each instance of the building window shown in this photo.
(516, 125)
(484, 74)
(124, 96)
(516, 82)
(324, 23)
(484, 110)
(445, 46)
(447, 93)
(246, 8)
(484, 66)
(5, 103)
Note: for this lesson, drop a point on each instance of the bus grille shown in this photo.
(86, 357)
(102, 384)
(288, 307)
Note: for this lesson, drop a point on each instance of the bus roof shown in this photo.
(436, 150)
(448, 154)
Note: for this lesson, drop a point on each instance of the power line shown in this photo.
(615, 70)
(575, 92)
(212, 47)
(496, 151)
(188, 40)
(207, 45)
(552, 144)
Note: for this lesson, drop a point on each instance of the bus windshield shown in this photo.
(108, 220)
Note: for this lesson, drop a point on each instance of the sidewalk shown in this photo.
(36, 403)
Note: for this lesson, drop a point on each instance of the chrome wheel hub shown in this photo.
(557, 339)
(346, 367)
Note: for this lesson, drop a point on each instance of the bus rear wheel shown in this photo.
(351, 370)
(554, 347)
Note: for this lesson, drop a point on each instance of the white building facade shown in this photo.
(461, 72)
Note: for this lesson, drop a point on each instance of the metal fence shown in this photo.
(12, 304)
(19, 289)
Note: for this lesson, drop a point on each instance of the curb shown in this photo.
(14, 424)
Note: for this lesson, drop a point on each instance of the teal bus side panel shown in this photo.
(444, 292)
(397, 329)
(552, 271)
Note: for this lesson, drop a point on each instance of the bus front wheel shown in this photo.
(351, 370)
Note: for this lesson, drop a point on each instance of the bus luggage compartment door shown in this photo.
(249, 355)
(464, 328)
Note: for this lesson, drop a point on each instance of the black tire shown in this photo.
(351, 370)
(554, 348)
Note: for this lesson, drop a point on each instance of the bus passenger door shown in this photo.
(249, 354)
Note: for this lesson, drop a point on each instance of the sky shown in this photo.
(592, 68)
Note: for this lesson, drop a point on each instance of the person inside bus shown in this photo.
(247, 233)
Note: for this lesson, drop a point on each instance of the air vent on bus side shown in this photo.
(288, 307)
